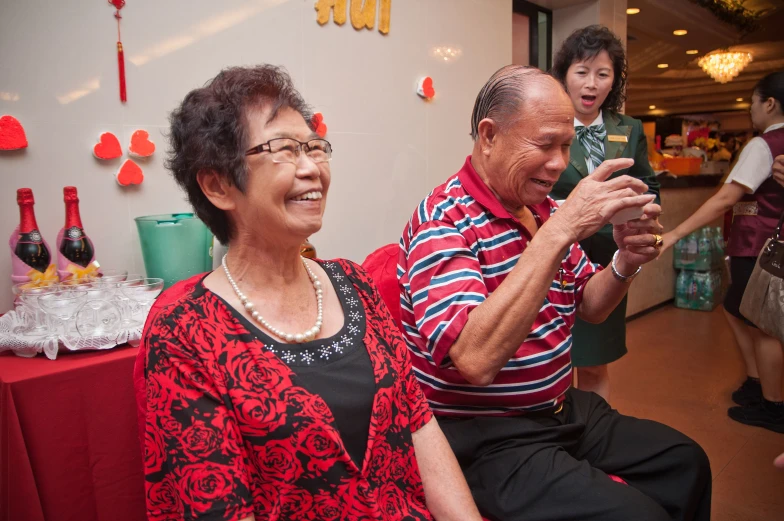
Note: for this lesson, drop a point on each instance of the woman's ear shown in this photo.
(218, 189)
(487, 135)
(770, 105)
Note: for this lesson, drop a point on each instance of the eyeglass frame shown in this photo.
(259, 149)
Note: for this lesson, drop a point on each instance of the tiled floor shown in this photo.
(681, 368)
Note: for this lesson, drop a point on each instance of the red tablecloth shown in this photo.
(69, 444)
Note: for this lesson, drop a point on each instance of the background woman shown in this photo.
(757, 201)
(591, 64)
(278, 387)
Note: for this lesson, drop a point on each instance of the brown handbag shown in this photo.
(763, 299)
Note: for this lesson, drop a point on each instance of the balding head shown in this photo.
(503, 97)
(523, 126)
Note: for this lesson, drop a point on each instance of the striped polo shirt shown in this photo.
(458, 247)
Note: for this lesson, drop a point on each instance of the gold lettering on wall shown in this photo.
(363, 13)
(383, 16)
(337, 7)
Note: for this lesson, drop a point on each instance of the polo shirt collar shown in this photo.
(482, 194)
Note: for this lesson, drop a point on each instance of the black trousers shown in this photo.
(554, 467)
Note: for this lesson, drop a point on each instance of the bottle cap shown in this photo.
(24, 196)
(69, 194)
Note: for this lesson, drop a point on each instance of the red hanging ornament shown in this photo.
(119, 4)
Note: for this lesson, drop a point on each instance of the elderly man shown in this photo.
(492, 278)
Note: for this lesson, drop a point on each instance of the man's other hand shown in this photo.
(595, 200)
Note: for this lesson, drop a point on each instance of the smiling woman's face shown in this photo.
(589, 82)
(282, 201)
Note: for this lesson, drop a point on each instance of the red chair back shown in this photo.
(381, 265)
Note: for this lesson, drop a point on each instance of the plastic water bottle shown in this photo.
(718, 241)
(690, 252)
(677, 255)
(704, 250)
(682, 289)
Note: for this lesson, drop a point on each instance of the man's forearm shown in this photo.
(497, 327)
(603, 293)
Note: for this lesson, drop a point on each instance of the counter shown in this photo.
(680, 197)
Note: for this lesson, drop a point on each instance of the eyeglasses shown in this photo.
(287, 150)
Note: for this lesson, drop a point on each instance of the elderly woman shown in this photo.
(278, 387)
(591, 64)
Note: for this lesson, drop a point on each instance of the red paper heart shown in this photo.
(427, 87)
(319, 127)
(108, 147)
(130, 174)
(141, 146)
(12, 135)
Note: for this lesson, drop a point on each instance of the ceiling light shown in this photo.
(632, 10)
(738, 99)
(724, 66)
(680, 32)
(693, 51)
(651, 107)
(663, 65)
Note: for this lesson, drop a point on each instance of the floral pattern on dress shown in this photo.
(229, 433)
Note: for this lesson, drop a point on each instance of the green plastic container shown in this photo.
(175, 246)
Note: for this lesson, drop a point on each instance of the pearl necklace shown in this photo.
(308, 335)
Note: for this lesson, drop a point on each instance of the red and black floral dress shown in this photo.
(237, 424)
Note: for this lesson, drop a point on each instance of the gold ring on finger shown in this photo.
(659, 241)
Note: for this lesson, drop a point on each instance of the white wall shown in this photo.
(391, 147)
(568, 18)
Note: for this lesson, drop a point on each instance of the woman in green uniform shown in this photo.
(592, 66)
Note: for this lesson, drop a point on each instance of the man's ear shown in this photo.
(487, 135)
(217, 188)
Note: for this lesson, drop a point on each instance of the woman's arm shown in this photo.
(778, 170)
(712, 209)
(446, 492)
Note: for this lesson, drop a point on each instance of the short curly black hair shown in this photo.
(585, 44)
(209, 131)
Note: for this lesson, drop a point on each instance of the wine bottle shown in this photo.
(75, 246)
(30, 247)
(307, 250)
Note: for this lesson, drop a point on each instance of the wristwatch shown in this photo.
(616, 273)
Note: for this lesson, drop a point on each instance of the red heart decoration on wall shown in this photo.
(12, 135)
(319, 127)
(141, 146)
(130, 174)
(108, 147)
(427, 88)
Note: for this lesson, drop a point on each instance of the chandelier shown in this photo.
(724, 66)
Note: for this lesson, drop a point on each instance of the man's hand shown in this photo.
(636, 240)
(595, 200)
(778, 170)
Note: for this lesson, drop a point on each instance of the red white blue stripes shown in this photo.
(458, 247)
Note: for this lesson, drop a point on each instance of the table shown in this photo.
(69, 441)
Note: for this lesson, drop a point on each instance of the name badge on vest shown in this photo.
(614, 138)
(745, 208)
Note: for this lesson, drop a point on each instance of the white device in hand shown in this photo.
(626, 215)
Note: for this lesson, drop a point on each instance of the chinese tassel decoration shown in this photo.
(119, 4)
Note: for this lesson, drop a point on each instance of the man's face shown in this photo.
(527, 158)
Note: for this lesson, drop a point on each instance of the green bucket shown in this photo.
(175, 246)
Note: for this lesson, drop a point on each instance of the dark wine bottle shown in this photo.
(75, 246)
(30, 248)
